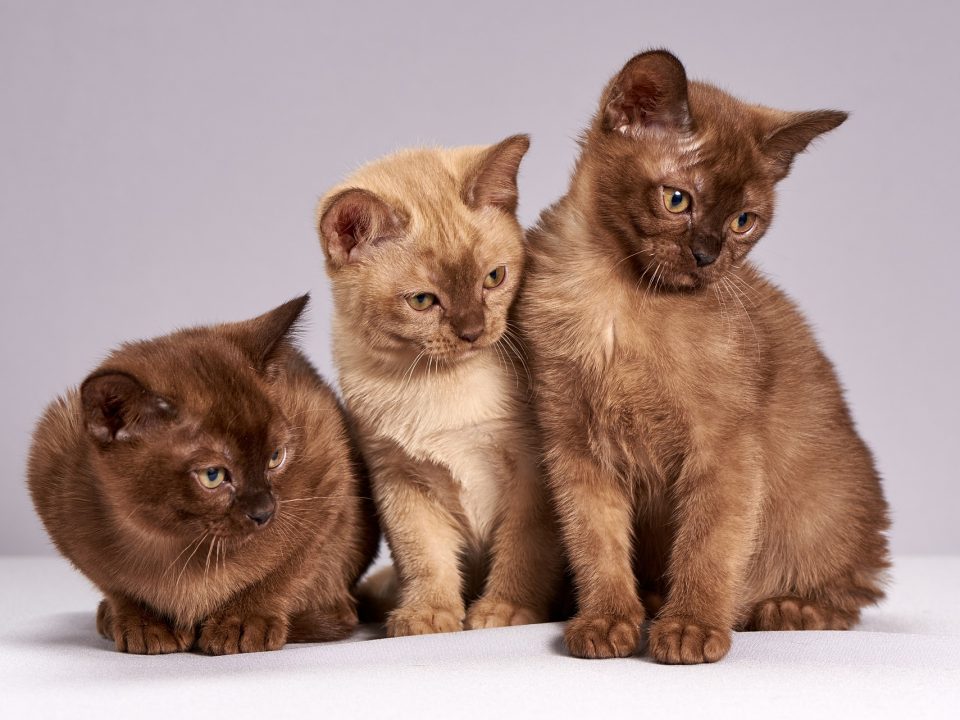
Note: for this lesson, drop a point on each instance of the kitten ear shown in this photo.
(790, 133)
(267, 335)
(492, 181)
(354, 221)
(650, 91)
(117, 407)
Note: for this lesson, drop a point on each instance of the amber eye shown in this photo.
(276, 460)
(495, 276)
(743, 222)
(676, 201)
(212, 477)
(421, 301)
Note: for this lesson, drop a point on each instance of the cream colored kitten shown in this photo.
(425, 256)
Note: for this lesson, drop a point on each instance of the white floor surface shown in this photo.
(902, 661)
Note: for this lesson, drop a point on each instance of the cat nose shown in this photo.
(470, 334)
(703, 257)
(468, 323)
(705, 249)
(261, 508)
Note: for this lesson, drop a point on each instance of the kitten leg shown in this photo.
(596, 519)
(425, 544)
(138, 630)
(526, 563)
(717, 510)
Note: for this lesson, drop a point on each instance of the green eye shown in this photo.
(276, 460)
(421, 301)
(495, 276)
(212, 477)
(676, 201)
(743, 222)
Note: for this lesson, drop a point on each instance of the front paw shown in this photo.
(230, 634)
(493, 612)
(139, 632)
(680, 640)
(603, 636)
(423, 620)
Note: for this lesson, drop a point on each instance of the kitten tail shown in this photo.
(377, 595)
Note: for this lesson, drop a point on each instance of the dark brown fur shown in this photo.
(267, 557)
(699, 446)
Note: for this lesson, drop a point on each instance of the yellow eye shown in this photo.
(276, 460)
(495, 276)
(676, 201)
(743, 222)
(212, 477)
(421, 301)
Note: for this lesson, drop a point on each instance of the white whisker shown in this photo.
(190, 557)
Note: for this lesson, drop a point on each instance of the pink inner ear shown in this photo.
(636, 102)
(349, 226)
(650, 90)
(355, 219)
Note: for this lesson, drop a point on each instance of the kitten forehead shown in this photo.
(425, 181)
(426, 184)
(202, 374)
(720, 152)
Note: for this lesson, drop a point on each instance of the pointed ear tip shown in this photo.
(296, 306)
(833, 118)
(661, 54)
(519, 142)
(840, 116)
(302, 300)
(664, 53)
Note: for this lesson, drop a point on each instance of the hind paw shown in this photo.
(491, 613)
(793, 613)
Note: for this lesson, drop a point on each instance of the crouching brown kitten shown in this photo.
(699, 447)
(425, 256)
(205, 482)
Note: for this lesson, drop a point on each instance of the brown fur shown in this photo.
(698, 443)
(114, 472)
(439, 395)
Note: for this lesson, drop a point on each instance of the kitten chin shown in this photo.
(187, 476)
(698, 444)
(425, 256)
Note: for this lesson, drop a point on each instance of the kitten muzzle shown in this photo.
(259, 508)
(706, 249)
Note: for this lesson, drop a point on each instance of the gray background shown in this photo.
(159, 163)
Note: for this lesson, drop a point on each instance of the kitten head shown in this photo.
(683, 174)
(424, 250)
(188, 438)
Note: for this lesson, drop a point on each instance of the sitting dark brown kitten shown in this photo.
(205, 481)
(698, 444)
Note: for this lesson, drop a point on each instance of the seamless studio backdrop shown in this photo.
(159, 164)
